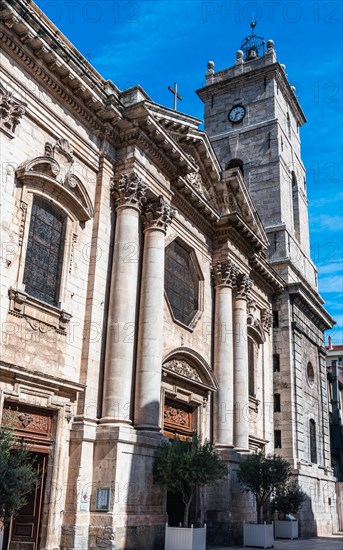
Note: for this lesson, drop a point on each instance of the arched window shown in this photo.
(44, 255)
(236, 163)
(289, 126)
(295, 206)
(313, 442)
(251, 366)
(181, 282)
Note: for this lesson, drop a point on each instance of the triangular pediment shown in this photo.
(236, 201)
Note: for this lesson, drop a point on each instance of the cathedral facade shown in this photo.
(156, 281)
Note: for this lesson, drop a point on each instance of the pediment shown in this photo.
(235, 199)
(185, 363)
(54, 174)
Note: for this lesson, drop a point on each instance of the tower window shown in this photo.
(44, 253)
(313, 442)
(236, 163)
(276, 362)
(289, 125)
(277, 402)
(277, 439)
(275, 319)
(251, 366)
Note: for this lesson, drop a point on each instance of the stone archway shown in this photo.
(187, 385)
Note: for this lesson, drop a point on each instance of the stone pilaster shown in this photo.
(157, 216)
(129, 193)
(241, 374)
(225, 274)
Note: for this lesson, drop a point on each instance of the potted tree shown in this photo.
(286, 503)
(262, 476)
(181, 466)
(17, 476)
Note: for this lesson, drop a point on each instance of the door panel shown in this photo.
(23, 531)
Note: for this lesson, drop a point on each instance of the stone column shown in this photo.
(158, 215)
(129, 192)
(241, 374)
(225, 277)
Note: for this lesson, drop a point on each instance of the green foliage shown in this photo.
(182, 466)
(263, 475)
(289, 499)
(17, 473)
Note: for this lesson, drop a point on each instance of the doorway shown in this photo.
(22, 533)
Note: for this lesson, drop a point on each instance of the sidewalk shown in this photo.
(319, 543)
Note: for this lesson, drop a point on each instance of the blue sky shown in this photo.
(155, 43)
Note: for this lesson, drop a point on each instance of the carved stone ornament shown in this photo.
(27, 421)
(225, 273)
(195, 179)
(55, 172)
(182, 367)
(129, 190)
(62, 146)
(244, 285)
(175, 417)
(11, 111)
(267, 319)
(158, 214)
(23, 307)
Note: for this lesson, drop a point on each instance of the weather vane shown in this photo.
(253, 44)
(176, 95)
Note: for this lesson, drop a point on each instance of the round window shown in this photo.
(310, 374)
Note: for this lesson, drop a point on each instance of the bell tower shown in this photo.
(253, 118)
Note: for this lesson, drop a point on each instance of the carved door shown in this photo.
(33, 426)
(23, 531)
(177, 420)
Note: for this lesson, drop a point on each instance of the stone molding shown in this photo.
(129, 190)
(243, 286)
(11, 111)
(158, 214)
(225, 273)
(40, 317)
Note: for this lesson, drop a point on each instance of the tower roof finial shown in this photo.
(253, 44)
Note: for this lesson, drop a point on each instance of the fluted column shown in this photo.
(158, 215)
(241, 374)
(129, 192)
(225, 277)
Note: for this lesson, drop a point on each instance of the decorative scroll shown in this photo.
(225, 273)
(244, 285)
(158, 214)
(23, 208)
(62, 146)
(267, 319)
(182, 367)
(11, 111)
(129, 189)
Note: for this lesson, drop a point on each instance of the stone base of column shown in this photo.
(114, 421)
(123, 462)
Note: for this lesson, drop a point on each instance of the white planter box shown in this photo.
(259, 536)
(185, 538)
(286, 529)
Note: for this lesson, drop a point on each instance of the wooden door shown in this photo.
(23, 531)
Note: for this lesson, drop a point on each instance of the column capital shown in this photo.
(158, 214)
(129, 190)
(225, 273)
(267, 319)
(243, 286)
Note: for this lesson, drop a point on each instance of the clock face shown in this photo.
(237, 113)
